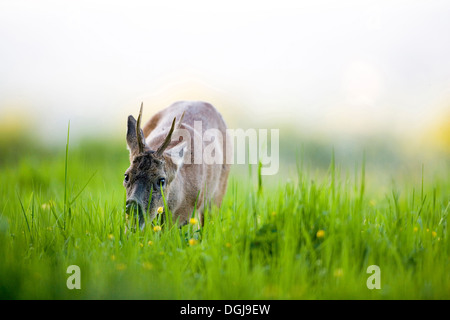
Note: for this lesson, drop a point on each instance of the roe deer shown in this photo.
(176, 168)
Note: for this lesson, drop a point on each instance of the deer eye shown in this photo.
(161, 182)
(127, 178)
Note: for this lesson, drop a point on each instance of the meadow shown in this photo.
(303, 234)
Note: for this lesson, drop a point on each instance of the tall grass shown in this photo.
(305, 236)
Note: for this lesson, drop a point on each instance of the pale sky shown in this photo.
(322, 65)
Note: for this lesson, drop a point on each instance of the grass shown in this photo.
(309, 236)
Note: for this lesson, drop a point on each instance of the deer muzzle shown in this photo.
(134, 210)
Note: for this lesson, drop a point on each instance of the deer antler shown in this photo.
(167, 140)
(179, 121)
(139, 136)
(169, 136)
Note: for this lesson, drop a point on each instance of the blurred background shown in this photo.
(355, 76)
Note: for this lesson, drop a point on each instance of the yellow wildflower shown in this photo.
(338, 273)
(121, 266)
(160, 210)
(192, 242)
(147, 265)
(320, 234)
(193, 221)
(45, 206)
(157, 228)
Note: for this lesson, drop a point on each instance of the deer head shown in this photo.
(151, 172)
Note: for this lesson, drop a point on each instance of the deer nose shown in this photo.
(132, 204)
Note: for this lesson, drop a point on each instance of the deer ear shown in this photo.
(132, 138)
(175, 156)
